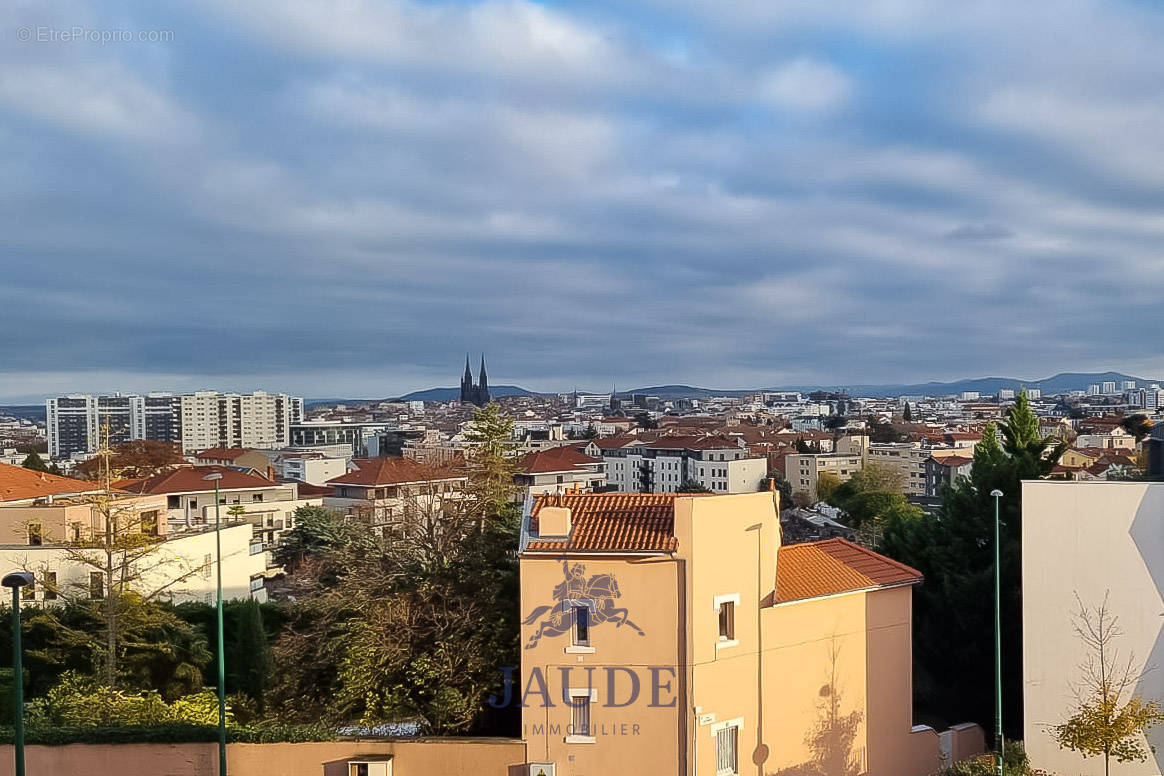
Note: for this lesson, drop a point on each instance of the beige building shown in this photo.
(559, 469)
(1084, 542)
(803, 470)
(909, 458)
(41, 513)
(384, 490)
(666, 463)
(670, 634)
(209, 419)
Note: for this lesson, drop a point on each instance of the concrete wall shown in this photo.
(425, 757)
(1089, 539)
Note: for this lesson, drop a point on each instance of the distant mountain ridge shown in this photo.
(987, 386)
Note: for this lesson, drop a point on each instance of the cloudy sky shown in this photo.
(341, 198)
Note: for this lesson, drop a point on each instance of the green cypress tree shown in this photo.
(35, 462)
(954, 609)
(249, 657)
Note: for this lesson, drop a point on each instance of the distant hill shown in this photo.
(1060, 383)
(685, 392)
(35, 412)
(448, 394)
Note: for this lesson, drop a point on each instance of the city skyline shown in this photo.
(729, 196)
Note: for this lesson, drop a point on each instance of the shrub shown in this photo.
(1014, 763)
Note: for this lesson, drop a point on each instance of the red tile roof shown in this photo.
(221, 453)
(392, 471)
(678, 442)
(835, 566)
(613, 442)
(952, 461)
(556, 459)
(19, 484)
(614, 522)
(189, 479)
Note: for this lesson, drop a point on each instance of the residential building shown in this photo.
(910, 458)
(267, 505)
(356, 436)
(237, 457)
(803, 470)
(1108, 387)
(944, 471)
(560, 469)
(1116, 438)
(383, 490)
(40, 514)
(1089, 543)
(688, 641)
(309, 467)
(256, 420)
(75, 423)
(665, 464)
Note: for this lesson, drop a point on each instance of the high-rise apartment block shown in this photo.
(197, 421)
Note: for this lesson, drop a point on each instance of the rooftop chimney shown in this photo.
(553, 521)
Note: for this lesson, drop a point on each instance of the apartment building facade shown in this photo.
(665, 464)
(255, 420)
(384, 491)
(75, 423)
(672, 634)
(43, 519)
(1090, 543)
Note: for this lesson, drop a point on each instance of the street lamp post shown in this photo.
(17, 580)
(216, 477)
(998, 740)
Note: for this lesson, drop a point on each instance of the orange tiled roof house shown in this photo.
(665, 633)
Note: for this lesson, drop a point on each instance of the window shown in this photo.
(50, 585)
(149, 523)
(34, 537)
(28, 592)
(581, 730)
(727, 621)
(727, 742)
(580, 716)
(725, 609)
(96, 584)
(582, 626)
(207, 562)
(173, 502)
(257, 497)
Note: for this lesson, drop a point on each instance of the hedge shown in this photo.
(170, 733)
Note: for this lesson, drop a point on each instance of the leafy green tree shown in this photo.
(954, 609)
(826, 485)
(1137, 425)
(316, 530)
(691, 486)
(1108, 720)
(35, 462)
(396, 640)
(158, 650)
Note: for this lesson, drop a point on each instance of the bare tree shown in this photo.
(1109, 719)
(122, 552)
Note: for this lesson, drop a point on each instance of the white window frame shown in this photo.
(720, 600)
(714, 729)
(582, 692)
(574, 648)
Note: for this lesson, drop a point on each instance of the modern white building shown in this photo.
(667, 463)
(257, 420)
(1084, 543)
(201, 420)
(75, 423)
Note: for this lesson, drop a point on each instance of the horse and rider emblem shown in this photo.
(596, 594)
